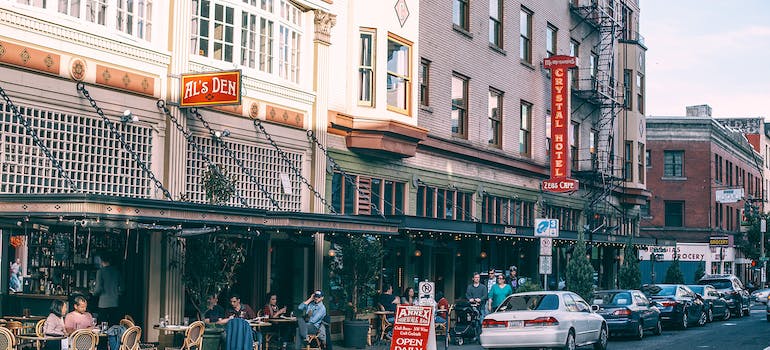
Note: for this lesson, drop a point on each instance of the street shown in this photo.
(735, 334)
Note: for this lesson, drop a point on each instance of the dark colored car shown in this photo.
(679, 305)
(716, 305)
(737, 296)
(628, 312)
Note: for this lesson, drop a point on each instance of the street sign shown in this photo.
(210, 89)
(426, 290)
(546, 227)
(545, 264)
(546, 245)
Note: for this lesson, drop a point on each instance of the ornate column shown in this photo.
(324, 22)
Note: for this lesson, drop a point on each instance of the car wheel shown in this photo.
(639, 331)
(570, 344)
(684, 323)
(709, 315)
(739, 314)
(658, 328)
(702, 319)
(460, 341)
(727, 315)
(601, 343)
(748, 310)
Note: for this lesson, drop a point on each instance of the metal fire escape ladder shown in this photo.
(598, 85)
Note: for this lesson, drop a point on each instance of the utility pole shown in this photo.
(762, 230)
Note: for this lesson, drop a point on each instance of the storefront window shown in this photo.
(363, 195)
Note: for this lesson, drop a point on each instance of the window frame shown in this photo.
(372, 53)
(628, 161)
(424, 82)
(462, 120)
(551, 34)
(640, 92)
(574, 144)
(669, 211)
(464, 14)
(496, 24)
(674, 163)
(525, 129)
(525, 35)
(574, 51)
(406, 78)
(495, 122)
(641, 152)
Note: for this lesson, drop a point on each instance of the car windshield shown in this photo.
(697, 289)
(666, 290)
(721, 284)
(612, 298)
(531, 302)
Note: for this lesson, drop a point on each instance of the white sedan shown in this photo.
(544, 319)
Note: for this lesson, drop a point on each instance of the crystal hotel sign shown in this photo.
(560, 122)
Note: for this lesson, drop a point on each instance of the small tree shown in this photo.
(218, 184)
(580, 272)
(674, 274)
(356, 268)
(701, 271)
(629, 276)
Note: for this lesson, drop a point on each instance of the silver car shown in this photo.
(760, 295)
(544, 319)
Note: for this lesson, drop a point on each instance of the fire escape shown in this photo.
(596, 90)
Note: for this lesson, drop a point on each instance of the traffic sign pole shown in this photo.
(762, 229)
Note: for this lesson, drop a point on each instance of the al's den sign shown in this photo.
(210, 89)
(560, 122)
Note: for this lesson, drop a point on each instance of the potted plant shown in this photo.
(355, 269)
(218, 184)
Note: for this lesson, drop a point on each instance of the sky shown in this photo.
(707, 52)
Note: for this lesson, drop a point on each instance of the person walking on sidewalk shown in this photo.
(498, 293)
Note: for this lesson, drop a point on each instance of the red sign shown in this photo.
(210, 89)
(411, 328)
(560, 125)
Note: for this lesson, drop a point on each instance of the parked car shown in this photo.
(760, 295)
(737, 296)
(716, 305)
(767, 308)
(544, 319)
(628, 312)
(679, 305)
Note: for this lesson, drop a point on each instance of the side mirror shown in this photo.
(594, 308)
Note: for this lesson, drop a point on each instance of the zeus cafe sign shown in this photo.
(560, 121)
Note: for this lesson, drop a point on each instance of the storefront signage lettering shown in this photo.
(560, 122)
(211, 89)
(413, 328)
(722, 241)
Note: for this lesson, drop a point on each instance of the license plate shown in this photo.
(515, 324)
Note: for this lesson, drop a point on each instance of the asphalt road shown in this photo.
(749, 333)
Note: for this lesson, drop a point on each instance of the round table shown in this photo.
(24, 318)
(171, 328)
(37, 339)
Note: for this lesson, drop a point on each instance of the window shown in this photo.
(574, 145)
(525, 129)
(640, 155)
(647, 159)
(568, 218)
(399, 74)
(96, 12)
(214, 35)
(574, 51)
(36, 3)
(627, 92)
(645, 209)
(459, 105)
(72, 7)
(550, 40)
(460, 14)
(673, 165)
(507, 211)
(593, 66)
(548, 136)
(425, 82)
(363, 195)
(288, 53)
(674, 213)
(525, 31)
(593, 141)
(496, 23)
(495, 117)
(366, 67)
(266, 45)
(443, 203)
(628, 165)
(249, 39)
(640, 92)
(133, 17)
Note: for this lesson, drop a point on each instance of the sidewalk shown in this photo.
(385, 345)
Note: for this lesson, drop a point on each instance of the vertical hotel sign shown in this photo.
(560, 122)
(211, 89)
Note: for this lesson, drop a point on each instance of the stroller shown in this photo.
(467, 324)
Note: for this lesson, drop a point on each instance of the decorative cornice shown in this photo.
(324, 21)
(82, 38)
(254, 84)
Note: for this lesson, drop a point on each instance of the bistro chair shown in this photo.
(127, 322)
(193, 337)
(7, 339)
(14, 326)
(443, 328)
(384, 323)
(39, 328)
(83, 339)
(130, 338)
(311, 340)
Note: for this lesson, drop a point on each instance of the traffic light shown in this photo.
(753, 263)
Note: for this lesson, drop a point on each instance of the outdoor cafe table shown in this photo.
(27, 322)
(39, 340)
(176, 337)
(286, 327)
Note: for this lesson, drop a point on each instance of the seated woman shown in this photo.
(54, 324)
(271, 309)
(408, 297)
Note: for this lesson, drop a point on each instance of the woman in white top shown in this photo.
(54, 324)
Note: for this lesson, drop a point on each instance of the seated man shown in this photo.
(311, 323)
(213, 312)
(79, 318)
(239, 310)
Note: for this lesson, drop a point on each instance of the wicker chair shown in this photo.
(83, 339)
(193, 337)
(130, 338)
(385, 324)
(127, 322)
(7, 339)
(14, 326)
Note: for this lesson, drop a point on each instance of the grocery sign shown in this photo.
(560, 122)
(211, 89)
